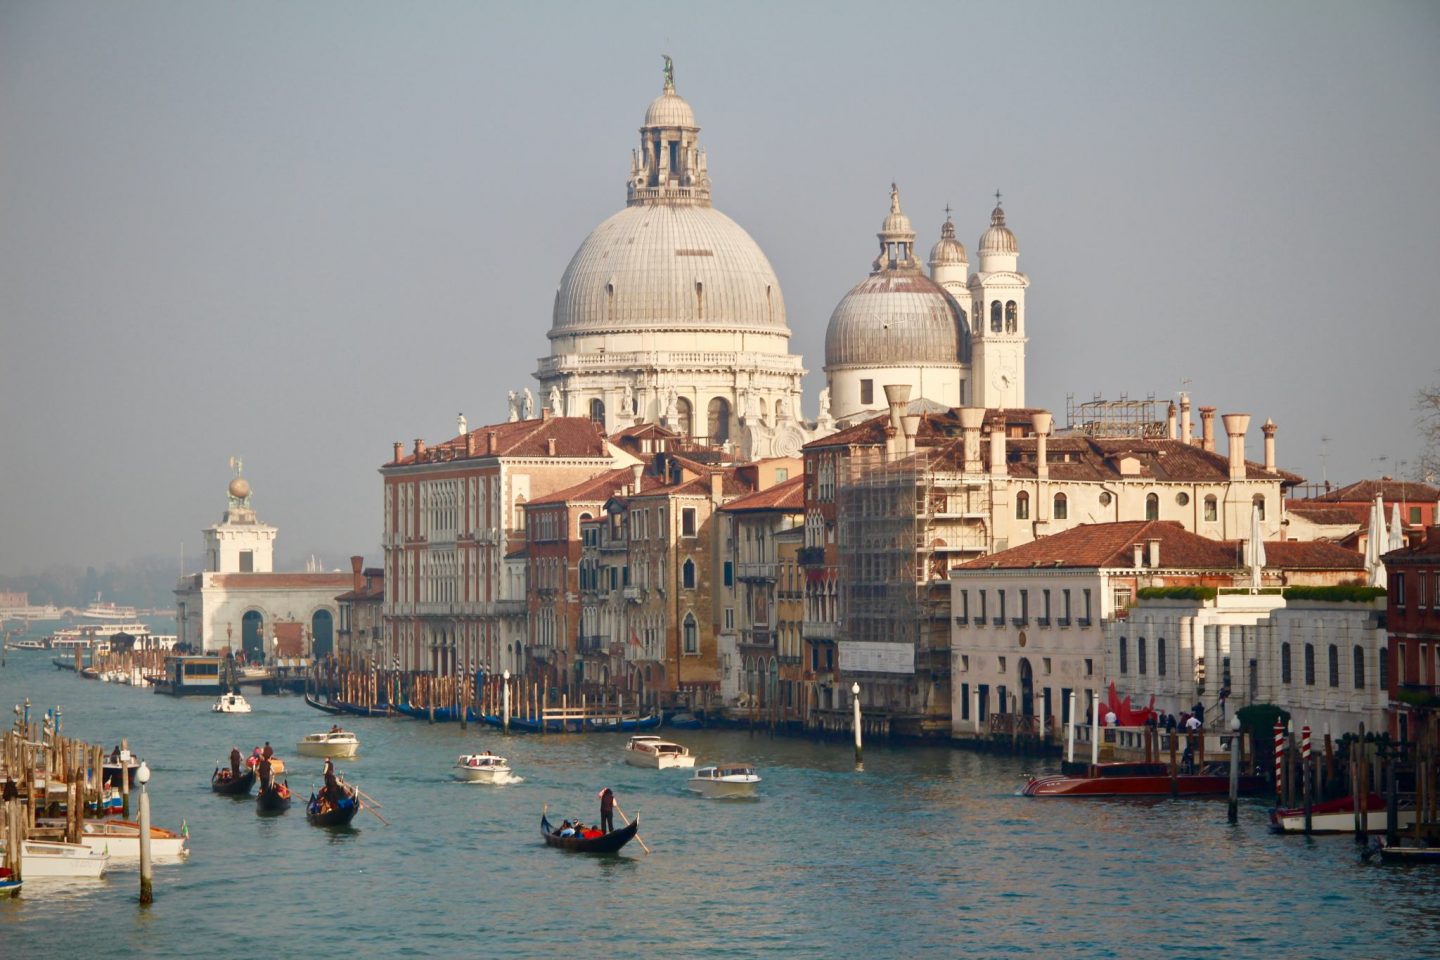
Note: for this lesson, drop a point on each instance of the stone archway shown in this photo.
(322, 634)
(1027, 688)
(252, 635)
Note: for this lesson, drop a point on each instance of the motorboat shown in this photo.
(51, 858)
(231, 703)
(1140, 779)
(482, 768)
(30, 644)
(725, 780)
(657, 754)
(121, 839)
(1338, 816)
(331, 743)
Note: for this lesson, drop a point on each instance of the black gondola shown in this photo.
(607, 843)
(339, 815)
(318, 704)
(222, 782)
(273, 799)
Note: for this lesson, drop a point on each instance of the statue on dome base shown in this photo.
(554, 401)
(529, 404)
(514, 399)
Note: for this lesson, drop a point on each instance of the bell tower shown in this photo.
(997, 300)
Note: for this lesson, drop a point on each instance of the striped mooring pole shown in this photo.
(1305, 745)
(1279, 754)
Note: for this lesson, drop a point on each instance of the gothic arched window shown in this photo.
(692, 634)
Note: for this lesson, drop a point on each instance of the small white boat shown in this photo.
(725, 780)
(121, 839)
(50, 858)
(231, 703)
(482, 768)
(657, 754)
(331, 743)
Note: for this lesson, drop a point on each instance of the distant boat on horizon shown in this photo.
(107, 610)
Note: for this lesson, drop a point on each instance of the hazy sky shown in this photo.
(297, 232)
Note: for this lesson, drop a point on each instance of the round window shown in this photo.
(1105, 498)
(1182, 498)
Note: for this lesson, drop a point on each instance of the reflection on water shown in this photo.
(928, 851)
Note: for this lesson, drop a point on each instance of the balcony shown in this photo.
(593, 644)
(537, 651)
(757, 637)
(509, 608)
(822, 630)
(633, 594)
(810, 556)
(997, 621)
(1082, 622)
(1063, 622)
(1042, 622)
(962, 621)
(1020, 621)
(756, 571)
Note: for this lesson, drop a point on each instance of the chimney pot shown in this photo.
(1207, 429)
(1042, 422)
(1152, 547)
(550, 447)
(998, 467)
(492, 442)
(469, 444)
(1186, 435)
(971, 420)
(399, 452)
(1139, 550)
(1235, 426)
(636, 472)
(1269, 429)
(419, 447)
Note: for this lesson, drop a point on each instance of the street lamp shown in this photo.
(505, 703)
(1234, 768)
(142, 777)
(859, 756)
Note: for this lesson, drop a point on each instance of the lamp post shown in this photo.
(505, 703)
(142, 777)
(1234, 768)
(859, 756)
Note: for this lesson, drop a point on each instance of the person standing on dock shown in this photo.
(607, 810)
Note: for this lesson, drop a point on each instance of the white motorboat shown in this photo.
(331, 743)
(657, 754)
(121, 839)
(1338, 816)
(231, 703)
(482, 768)
(725, 780)
(50, 858)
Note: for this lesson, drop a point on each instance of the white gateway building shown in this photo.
(670, 312)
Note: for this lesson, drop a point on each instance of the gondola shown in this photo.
(608, 843)
(334, 816)
(312, 700)
(222, 782)
(275, 799)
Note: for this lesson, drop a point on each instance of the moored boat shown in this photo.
(331, 743)
(650, 751)
(725, 780)
(121, 839)
(9, 886)
(600, 843)
(51, 858)
(1139, 779)
(1338, 816)
(231, 703)
(482, 768)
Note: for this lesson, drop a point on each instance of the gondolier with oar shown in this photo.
(607, 810)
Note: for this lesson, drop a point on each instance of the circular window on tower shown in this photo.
(1182, 498)
(1105, 498)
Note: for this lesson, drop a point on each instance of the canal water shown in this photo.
(928, 851)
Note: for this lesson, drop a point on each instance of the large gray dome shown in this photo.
(663, 266)
(896, 318)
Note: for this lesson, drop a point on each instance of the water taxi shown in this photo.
(121, 839)
(231, 703)
(657, 754)
(725, 780)
(331, 743)
(482, 768)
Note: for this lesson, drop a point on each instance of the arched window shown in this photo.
(1359, 657)
(1284, 663)
(1012, 317)
(1124, 656)
(1334, 665)
(597, 411)
(719, 420)
(1160, 656)
(1062, 507)
(692, 634)
(683, 414)
(1212, 512)
(1152, 506)
(1022, 506)
(996, 323)
(1259, 502)
(1309, 664)
(687, 575)
(1140, 654)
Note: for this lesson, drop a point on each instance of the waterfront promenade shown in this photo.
(928, 852)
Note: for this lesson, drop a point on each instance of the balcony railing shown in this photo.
(810, 556)
(1042, 621)
(757, 637)
(818, 630)
(756, 571)
(634, 594)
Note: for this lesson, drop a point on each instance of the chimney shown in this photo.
(911, 425)
(1170, 429)
(1042, 422)
(898, 396)
(1207, 429)
(1152, 550)
(546, 413)
(717, 487)
(1186, 436)
(997, 450)
(399, 452)
(1235, 426)
(971, 420)
(1269, 429)
(357, 565)
(419, 447)
(1139, 549)
(549, 446)
(469, 444)
(492, 442)
(637, 471)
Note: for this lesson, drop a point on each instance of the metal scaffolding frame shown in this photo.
(1117, 418)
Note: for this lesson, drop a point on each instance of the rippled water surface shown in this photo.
(927, 852)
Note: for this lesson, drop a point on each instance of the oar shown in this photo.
(366, 797)
(625, 821)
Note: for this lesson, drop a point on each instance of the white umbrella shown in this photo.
(1375, 545)
(1257, 549)
(1397, 532)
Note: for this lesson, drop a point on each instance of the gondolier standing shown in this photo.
(607, 810)
(235, 762)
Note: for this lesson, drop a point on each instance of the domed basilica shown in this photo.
(670, 313)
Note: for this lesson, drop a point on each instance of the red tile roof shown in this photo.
(1329, 514)
(789, 496)
(1364, 491)
(1425, 550)
(598, 489)
(575, 437)
(1311, 555)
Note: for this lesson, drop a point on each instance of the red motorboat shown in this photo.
(1139, 779)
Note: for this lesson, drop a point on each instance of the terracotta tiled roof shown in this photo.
(1078, 458)
(934, 427)
(1393, 491)
(1426, 550)
(1328, 514)
(788, 495)
(1112, 545)
(573, 436)
(1311, 555)
(283, 581)
(598, 489)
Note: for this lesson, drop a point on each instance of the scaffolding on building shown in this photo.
(878, 520)
(1101, 418)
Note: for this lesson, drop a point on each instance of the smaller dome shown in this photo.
(897, 225)
(947, 249)
(239, 488)
(895, 318)
(669, 110)
(998, 239)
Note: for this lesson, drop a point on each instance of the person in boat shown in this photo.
(607, 810)
(268, 752)
(567, 829)
(331, 791)
(235, 762)
(264, 770)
